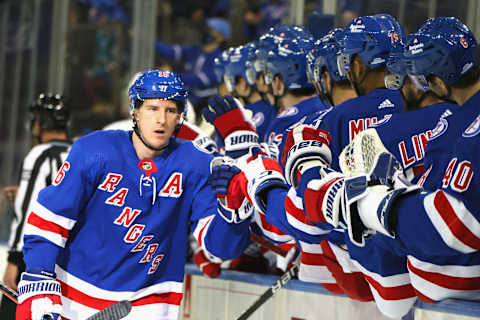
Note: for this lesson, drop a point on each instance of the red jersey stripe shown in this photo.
(73, 294)
(46, 225)
(392, 293)
(456, 226)
(446, 281)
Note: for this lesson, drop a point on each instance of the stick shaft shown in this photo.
(9, 293)
(292, 272)
(115, 311)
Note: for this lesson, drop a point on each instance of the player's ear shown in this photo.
(134, 114)
(438, 86)
(357, 67)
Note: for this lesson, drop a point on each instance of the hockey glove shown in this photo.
(39, 297)
(209, 268)
(323, 196)
(205, 143)
(270, 149)
(305, 147)
(375, 180)
(232, 125)
(262, 174)
(230, 187)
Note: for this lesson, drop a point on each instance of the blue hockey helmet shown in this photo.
(372, 38)
(397, 70)
(443, 47)
(236, 65)
(157, 84)
(250, 71)
(288, 59)
(220, 63)
(328, 51)
(270, 40)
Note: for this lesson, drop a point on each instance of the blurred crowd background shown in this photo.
(89, 50)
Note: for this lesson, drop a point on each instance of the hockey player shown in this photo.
(49, 119)
(114, 224)
(294, 95)
(322, 69)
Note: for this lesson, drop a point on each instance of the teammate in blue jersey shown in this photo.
(295, 97)
(366, 45)
(322, 70)
(115, 222)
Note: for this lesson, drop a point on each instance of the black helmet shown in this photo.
(50, 112)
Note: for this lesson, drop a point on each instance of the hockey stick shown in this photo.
(284, 278)
(9, 293)
(115, 311)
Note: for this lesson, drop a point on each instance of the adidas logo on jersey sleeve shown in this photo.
(386, 104)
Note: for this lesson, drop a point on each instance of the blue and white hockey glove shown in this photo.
(231, 123)
(39, 297)
(229, 185)
(374, 182)
(305, 147)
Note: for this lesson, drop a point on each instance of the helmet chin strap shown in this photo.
(324, 94)
(177, 127)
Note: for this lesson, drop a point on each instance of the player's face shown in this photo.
(241, 88)
(261, 85)
(410, 94)
(157, 120)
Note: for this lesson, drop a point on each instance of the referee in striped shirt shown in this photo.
(49, 121)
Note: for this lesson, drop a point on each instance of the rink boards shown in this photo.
(233, 292)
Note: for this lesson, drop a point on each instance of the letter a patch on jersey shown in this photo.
(173, 187)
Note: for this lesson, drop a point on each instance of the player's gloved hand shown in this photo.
(39, 297)
(374, 182)
(262, 174)
(230, 187)
(305, 147)
(209, 268)
(323, 195)
(271, 149)
(232, 124)
(205, 143)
